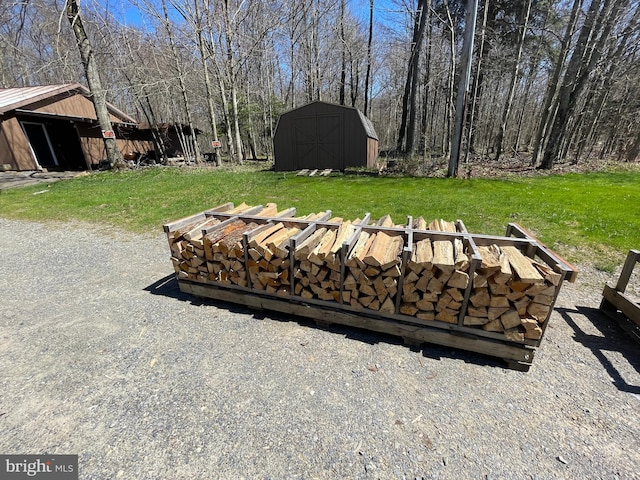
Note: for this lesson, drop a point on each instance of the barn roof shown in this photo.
(366, 123)
(368, 126)
(18, 97)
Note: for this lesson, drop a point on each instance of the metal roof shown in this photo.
(368, 126)
(14, 98)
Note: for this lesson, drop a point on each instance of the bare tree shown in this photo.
(368, 74)
(548, 110)
(514, 79)
(406, 132)
(589, 49)
(98, 94)
(463, 87)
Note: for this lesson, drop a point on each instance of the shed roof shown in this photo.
(18, 97)
(366, 123)
(368, 126)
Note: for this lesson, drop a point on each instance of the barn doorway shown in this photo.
(55, 144)
(40, 144)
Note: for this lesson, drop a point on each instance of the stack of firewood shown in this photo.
(512, 293)
(225, 252)
(373, 268)
(318, 261)
(192, 252)
(187, 249)
(268, 261)
(360, 265)
(436, 276)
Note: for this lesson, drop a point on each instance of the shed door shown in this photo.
(319, 142)
(40, 144)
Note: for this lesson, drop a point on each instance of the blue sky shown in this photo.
(127, 13)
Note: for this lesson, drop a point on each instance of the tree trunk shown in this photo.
(231, 76)
(534, 67)
(512, 85)
(343, 48)
(183, 87)
(354, 80)
(407, 125)
(413, 110)
(98, 94)
(463, 87)
(550, 105)
(368, 74)
(207, 77)
(427, 120)
(476, 85)
(451, 82)
(225, 112)
(593, 36)
(250, 132)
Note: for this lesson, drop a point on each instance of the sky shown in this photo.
(128, 13)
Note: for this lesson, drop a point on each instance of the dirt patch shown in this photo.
(24, 179)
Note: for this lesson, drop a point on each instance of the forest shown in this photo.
(550, 81)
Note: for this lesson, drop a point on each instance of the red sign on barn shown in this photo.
(108, 134)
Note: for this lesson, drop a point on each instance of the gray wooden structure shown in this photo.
(323, 135)
(622, 307)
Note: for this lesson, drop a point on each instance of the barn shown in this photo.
(324, 135)
(55, 127)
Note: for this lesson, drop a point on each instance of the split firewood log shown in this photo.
(516, 291)
(270, 264)
(372, 271)
(225, 253)
(318, 264)
(187, 249)
(436, 279)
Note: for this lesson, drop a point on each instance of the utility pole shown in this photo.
(463, 86)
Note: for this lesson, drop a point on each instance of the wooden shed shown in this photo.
(324, 135)
(56, 127)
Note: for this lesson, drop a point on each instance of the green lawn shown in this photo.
(590, 217)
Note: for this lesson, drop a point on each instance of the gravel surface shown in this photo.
(102, 356)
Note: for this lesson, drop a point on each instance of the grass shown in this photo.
(592, 217)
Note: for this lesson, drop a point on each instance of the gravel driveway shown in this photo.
(103, 357)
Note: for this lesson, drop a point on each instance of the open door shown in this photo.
(40, 144)
(55, 143)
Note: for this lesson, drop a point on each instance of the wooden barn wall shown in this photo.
(17, 145)
(7, 161)
(355, 146)
(141, 146)
(283, 155)
(93, 144)
(76, 105)
(372, 153)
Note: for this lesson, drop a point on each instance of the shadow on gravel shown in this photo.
(613, 339)
(168, 287)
